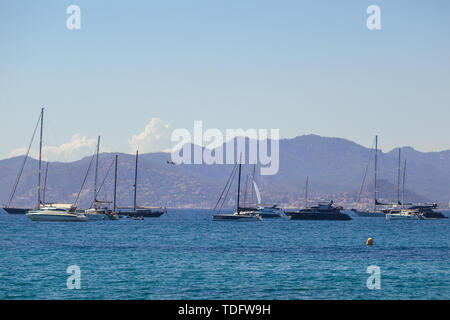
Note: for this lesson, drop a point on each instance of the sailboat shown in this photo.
(7, 207)
(241, 214)
(374, 212)
(425, 211)
(113, 215)
(97, 213)
(51, 212)
(148, 212)
(404, 214)
(397, 207)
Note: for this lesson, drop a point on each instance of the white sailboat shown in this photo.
(404, 214)
(51, 212)
(95, 213)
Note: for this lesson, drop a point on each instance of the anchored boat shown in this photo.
(51, 212)
(264, 211)
(371, 213)
(428, 211)
(96, 213)
(7, 207)
(270, 212)
(323, 211)
(147, 212)
(241, 214)
(57, 213)
(404, 214)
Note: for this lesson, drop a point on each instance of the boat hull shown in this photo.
(56, 217)
(268, 215)
(144, 213)
(369, 214)
(237, 217)
(95, 216)
(16, 210)
(317, 216)
(112, 216)
(434, 215)
(395, 216)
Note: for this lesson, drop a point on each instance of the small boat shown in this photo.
(95, 214)
(241, 214)
(110, 215)
(56, 214)
(137, 217)
(270, 212)
(323, 211)
(405, 214)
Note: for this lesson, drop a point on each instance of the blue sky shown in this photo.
(300, 66)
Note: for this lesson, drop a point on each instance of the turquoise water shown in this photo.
(186, 255)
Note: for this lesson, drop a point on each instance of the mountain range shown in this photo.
(335, 168)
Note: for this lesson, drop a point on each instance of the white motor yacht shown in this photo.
(404, 214)
(57, 214)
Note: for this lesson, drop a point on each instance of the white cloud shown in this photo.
(155, 138)
(77, 148)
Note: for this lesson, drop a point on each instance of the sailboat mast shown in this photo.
(115, 185)
(398, 175)
(96, 173)
(45, 182)
(404, 178)
(135, 181)
(239, 187)
(253, 179)
(376, 168)
(40, 162)
(245, 189)
(306, 192)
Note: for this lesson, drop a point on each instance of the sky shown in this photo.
(136, 70)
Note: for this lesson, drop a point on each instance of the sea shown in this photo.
(184, 254)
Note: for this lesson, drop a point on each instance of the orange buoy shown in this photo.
(369, 242)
